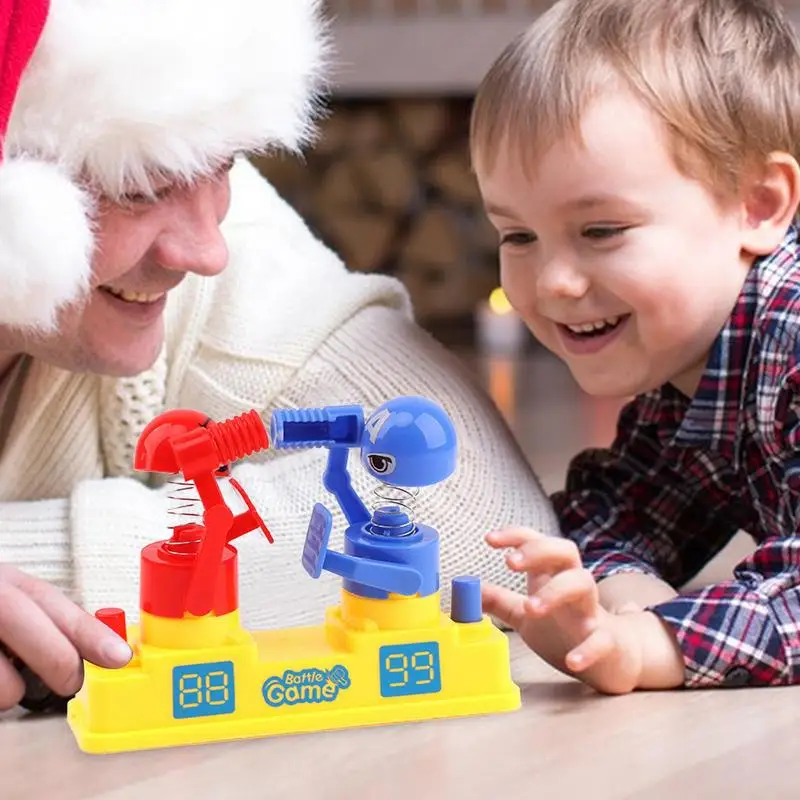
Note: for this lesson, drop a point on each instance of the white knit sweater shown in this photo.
(285, 325)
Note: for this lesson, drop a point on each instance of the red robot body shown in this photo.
(195, 571)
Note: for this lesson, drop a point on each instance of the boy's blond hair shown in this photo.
(722, 75)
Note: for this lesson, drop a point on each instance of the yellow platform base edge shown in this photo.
(296, 680)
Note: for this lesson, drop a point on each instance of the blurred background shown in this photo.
(388, 184)
(389, 187)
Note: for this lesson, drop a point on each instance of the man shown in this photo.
(145, 265)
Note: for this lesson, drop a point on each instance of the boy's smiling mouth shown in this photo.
(595, 328)
(599, 327)
(586, 338)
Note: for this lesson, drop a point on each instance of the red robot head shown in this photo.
(187, 441)
(154, 451)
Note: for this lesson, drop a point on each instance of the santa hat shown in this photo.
(103, 95)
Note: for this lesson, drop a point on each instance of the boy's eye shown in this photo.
(518, 239)
(603, 231)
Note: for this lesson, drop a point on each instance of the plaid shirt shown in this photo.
(683, 476)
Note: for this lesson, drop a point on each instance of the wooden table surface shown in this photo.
(565, 742)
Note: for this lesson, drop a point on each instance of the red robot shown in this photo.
(195, 570)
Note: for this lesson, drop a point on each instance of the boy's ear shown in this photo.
(770, 198)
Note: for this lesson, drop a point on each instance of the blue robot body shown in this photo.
(418, 551)
(406, 443)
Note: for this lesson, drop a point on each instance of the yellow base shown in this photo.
(361, 667)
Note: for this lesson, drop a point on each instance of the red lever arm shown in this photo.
(200, 453)
(200, 596)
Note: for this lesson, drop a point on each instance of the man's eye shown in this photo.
(517, 239)
(141, 199)
(134, 199)
(603, 231)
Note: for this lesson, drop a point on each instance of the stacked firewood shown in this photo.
(389, 186)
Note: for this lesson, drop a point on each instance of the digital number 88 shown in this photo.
(205, 688)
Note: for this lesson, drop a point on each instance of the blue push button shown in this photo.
(465, 603)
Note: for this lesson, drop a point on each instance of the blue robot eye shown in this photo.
(381, 464)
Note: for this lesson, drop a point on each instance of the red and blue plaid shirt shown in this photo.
(684, 475)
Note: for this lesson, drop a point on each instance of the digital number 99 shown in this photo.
(408, 669)
(211, 689)
(421, 667)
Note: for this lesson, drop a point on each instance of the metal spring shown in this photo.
(388, 498)
(185, 506)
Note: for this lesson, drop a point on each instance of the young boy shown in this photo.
(639, 160)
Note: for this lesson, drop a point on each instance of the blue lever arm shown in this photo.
(377, 574)
(392, 578)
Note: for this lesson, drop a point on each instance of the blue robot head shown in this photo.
(409, 442)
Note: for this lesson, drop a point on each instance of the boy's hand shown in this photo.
(50, 634)
(562, 619)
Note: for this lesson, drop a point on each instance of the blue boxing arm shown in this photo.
(330, 426)
(336, 427)
(337, 481)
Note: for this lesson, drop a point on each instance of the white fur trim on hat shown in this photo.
(120, 89)
(45, 244)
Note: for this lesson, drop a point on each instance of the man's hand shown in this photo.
(563, 622)
(51, 635)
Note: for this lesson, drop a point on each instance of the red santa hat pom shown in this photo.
(45, 234)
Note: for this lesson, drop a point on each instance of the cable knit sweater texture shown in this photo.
(285, 325)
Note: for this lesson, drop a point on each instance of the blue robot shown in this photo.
(406, 443)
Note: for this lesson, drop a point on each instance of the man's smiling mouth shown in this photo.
(141, 298)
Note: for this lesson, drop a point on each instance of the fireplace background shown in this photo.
(388, 184)
(389, 187)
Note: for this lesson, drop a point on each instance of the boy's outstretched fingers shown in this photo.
(513, 537)
(573, 587)
(505, 604)
(595, 647)
(545, 555)
(535, 552)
